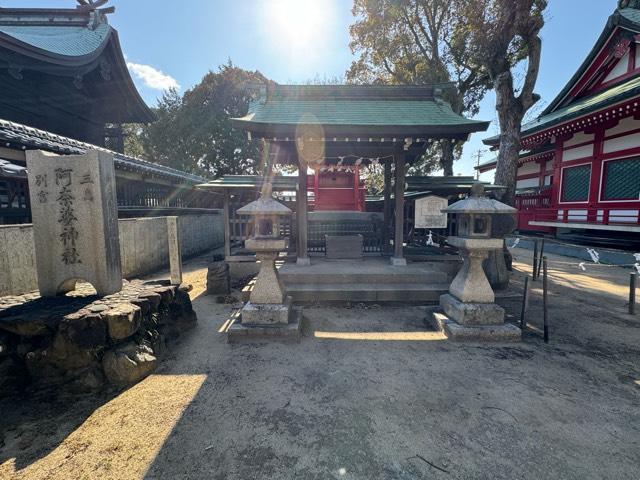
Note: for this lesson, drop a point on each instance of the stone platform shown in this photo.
(371, 280)
(291, 332)
(505, 333)
(90, 341)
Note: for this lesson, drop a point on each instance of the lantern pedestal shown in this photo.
(468, 311)
(268, 315)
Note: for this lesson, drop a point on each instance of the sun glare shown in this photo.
(298, 27)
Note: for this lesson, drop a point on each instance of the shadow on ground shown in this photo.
(349, 403)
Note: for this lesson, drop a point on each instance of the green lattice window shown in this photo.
(622, 180)
(575, 183)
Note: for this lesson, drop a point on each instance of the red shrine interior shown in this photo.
(336, 188)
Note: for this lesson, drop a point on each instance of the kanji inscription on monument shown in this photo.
(75, 221)
(428, 212)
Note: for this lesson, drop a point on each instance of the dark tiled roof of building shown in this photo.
(14, 134)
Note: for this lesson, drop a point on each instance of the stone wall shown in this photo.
(88, 341)
(143, 248)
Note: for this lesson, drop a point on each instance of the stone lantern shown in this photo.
(268, 312)
(469, 309)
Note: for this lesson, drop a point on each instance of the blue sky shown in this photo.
(177, 42)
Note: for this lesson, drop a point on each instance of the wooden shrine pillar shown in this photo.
(387, 207)
(227, 226)
(398, 255)
(302, 215)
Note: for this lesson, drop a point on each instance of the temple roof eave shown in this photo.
(346, 131)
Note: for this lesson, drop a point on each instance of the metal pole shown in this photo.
(540, 255)
(523, 323)
(535, 260)
(544, 300)
(633, 280)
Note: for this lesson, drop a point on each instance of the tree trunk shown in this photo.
(510, 114)
(446, 160)
(507, 168)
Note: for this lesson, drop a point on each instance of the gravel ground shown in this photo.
(365, 395)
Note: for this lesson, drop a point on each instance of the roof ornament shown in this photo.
(628, 4)
(90, 5)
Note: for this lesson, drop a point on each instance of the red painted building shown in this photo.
(580, 164)
(337, 188)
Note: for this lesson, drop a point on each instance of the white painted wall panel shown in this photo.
(578, 138)
(622, 143)
(578, 152)
(620, 69)
(529, 168)
(625, 125)
(528, 183)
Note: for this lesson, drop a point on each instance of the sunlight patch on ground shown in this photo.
(122, 438)
(596, 278)
(382, 336)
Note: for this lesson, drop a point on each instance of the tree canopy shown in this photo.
(193, 131)
(412, 42)
(503, 33)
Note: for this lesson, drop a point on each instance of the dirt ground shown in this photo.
(367, 394)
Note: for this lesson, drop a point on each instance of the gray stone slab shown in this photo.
(472, 313)
(175, 251)
(455, 332)
(289, 333)
(266, 314)
(75, 221)
(344, 247)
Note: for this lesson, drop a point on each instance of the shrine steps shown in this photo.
(389, 293)
(372, 280)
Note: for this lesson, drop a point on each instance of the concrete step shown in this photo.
(395, 293)
(402, 276)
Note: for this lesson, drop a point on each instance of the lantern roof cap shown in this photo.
(478, 202)
(265, 206)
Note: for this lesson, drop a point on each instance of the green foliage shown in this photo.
(412, 42)
(505, 34)
(194, 133)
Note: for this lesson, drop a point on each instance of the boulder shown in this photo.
(218, 278)
(128, 364)
(28, 326)
(123, 320)
(83, 330)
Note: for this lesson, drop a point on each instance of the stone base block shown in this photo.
(398, 262)
(303, 261)
(472, 314)
(266, 313)
(455, 332)
(287, 333)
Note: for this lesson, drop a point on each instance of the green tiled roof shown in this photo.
(356, 112)
(70, 41)
(586, 105)
(631, 14)
(375, 109)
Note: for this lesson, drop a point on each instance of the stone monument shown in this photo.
(75, 221)
(268, 313)
(469, 310)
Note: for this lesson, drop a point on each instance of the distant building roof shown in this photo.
(14, 134)
(9, 169)
(253, 182)
(348, 110)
